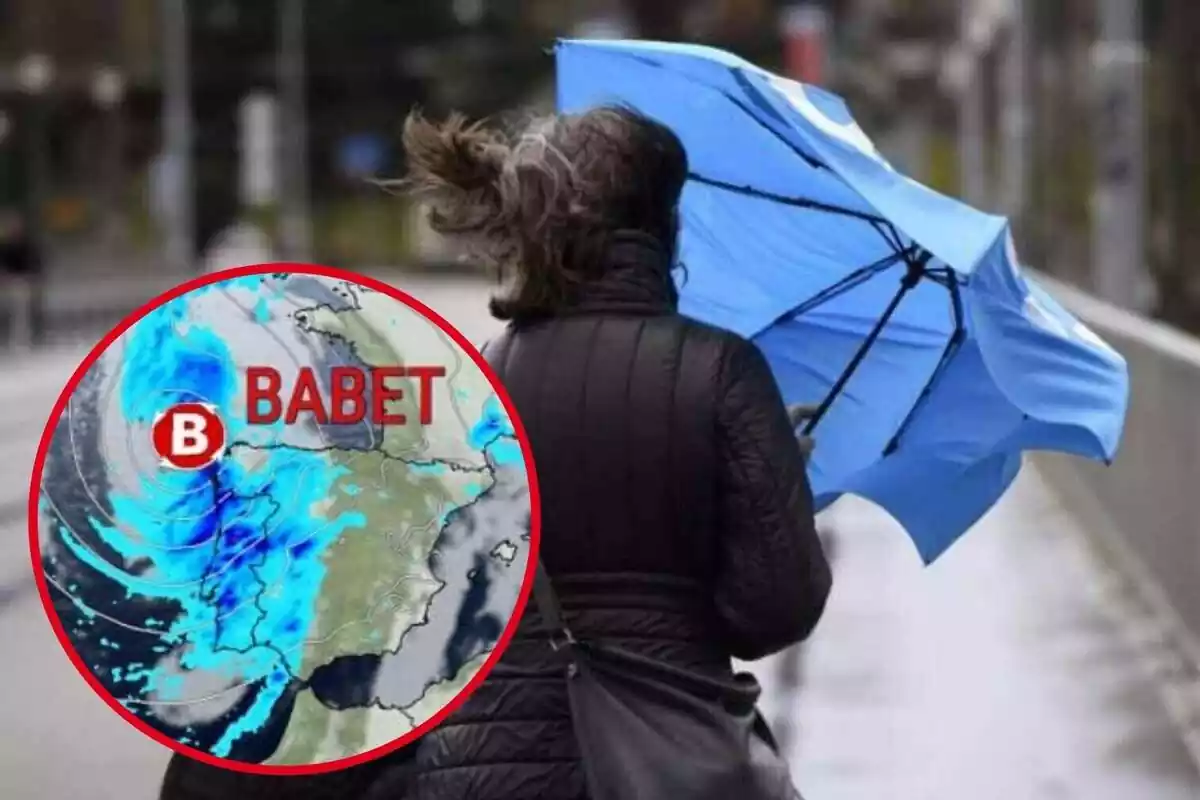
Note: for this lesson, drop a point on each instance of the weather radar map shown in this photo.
(284, 519)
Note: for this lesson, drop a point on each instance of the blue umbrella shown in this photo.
(901, 312)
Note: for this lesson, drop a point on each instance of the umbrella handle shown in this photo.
(806, 444)
(799, 412)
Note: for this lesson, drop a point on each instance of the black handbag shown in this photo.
(648, 730)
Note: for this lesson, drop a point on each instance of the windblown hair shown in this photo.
(539, 205)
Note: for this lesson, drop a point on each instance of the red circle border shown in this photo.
(298, 268)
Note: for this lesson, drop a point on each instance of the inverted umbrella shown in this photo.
(902, 313)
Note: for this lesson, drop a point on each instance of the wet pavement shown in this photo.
(1009, 670)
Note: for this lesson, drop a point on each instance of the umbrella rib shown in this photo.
(884, 227)
(916, 271)
(916, 261)
(798, 202)
(948, 353)
(854, 279)
(740, 77)
(876, 221)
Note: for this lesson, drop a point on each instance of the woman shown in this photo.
(677, 519)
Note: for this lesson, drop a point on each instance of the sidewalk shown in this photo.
(84, 304)
(84, 298)
(1011, 668)
(86, 294)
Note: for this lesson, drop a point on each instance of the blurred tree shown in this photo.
(363, 39)
(1176, 132)
(358, 81)
(658, 19)
(369, 62)
(1058, 231)
(139, 37)
(14, 165)
(743, 17)
(1154, 19)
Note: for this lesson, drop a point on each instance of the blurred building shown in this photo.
(82, 80)
(87, 77)
(65, 67)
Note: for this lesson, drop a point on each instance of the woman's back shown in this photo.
(617, 395)
(676, 519)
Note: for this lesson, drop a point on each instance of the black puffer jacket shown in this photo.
(677, 519)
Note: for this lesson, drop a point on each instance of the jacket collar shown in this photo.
(635, 277)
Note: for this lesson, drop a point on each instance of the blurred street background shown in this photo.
(1051, 654)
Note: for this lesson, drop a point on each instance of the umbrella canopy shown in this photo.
(901, 311)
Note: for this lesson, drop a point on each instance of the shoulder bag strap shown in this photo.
(547, 603)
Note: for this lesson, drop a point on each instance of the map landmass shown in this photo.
(385, 568)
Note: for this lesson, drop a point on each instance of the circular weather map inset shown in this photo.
(285, 519)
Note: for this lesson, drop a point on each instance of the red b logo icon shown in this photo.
(188, 436)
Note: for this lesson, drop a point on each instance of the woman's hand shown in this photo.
(806, 444)
(797, 414)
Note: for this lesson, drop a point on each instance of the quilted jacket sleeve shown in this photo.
(773, 577)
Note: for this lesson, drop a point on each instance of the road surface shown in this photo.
(1008, 671)
(1014, 668)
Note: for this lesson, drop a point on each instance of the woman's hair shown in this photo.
(539, 205)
